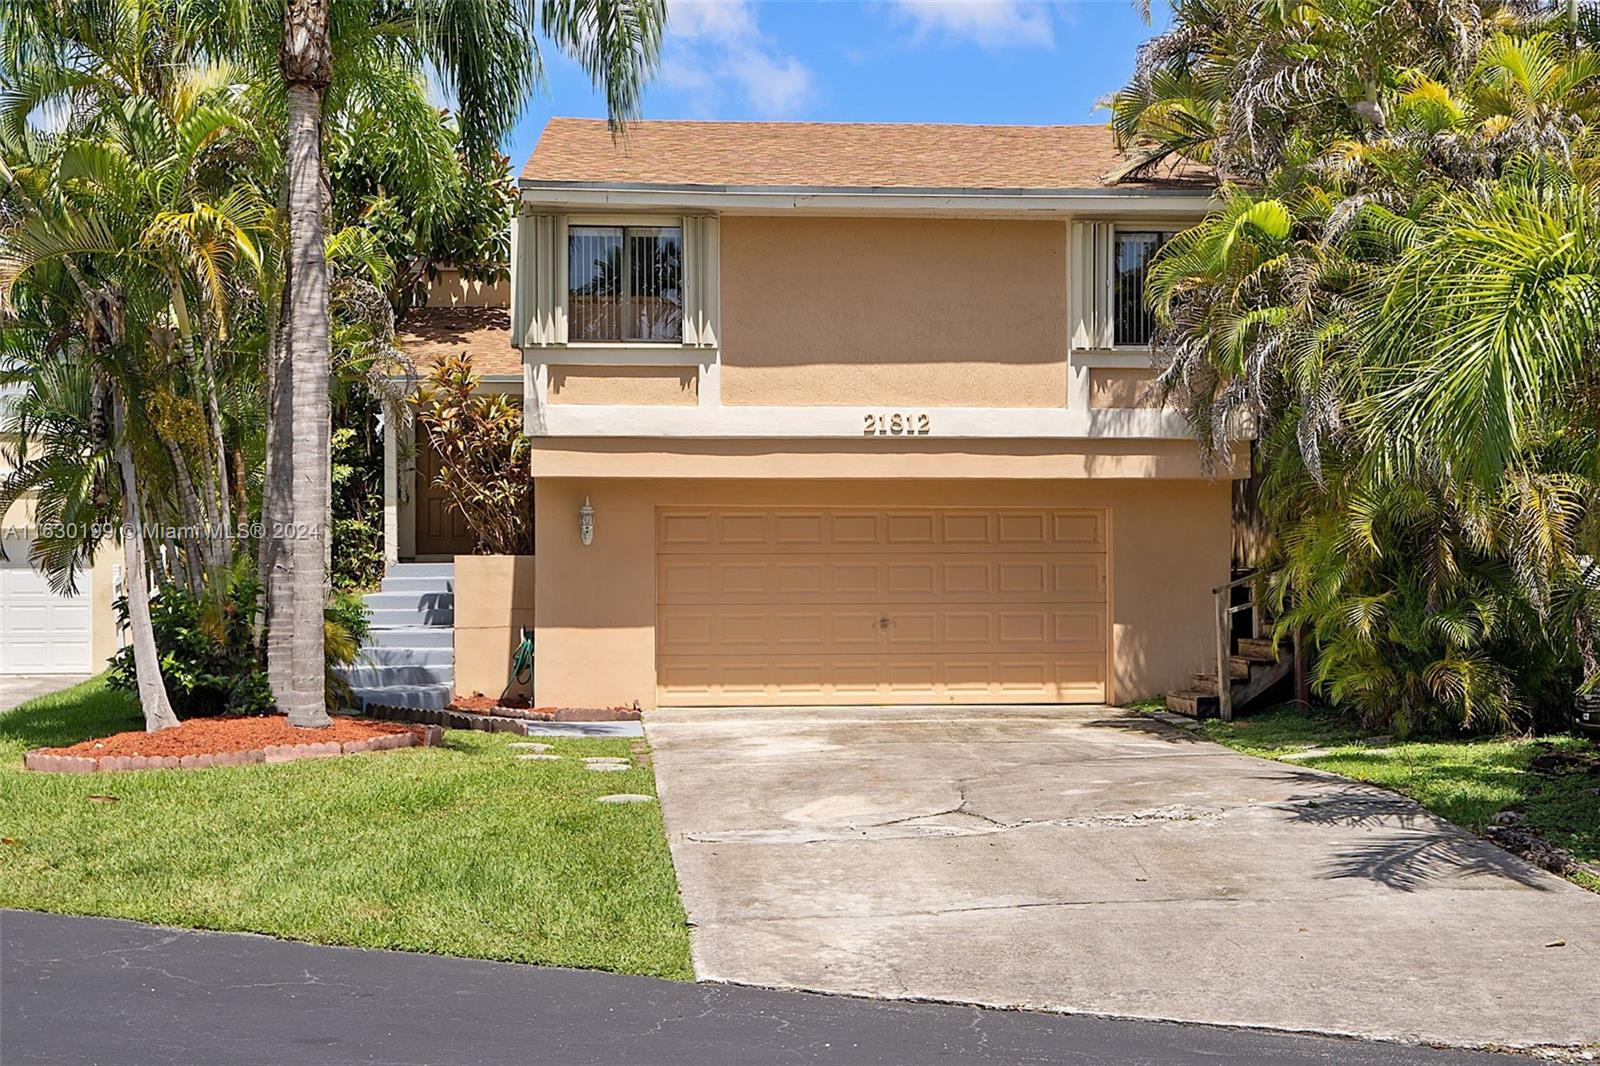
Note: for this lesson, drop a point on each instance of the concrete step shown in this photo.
(413, 618)
(431, 697)
(422, 570)
(1193, 704)
(1256, 649)
(393, 583)
(379, 655)
(365, 676)
(411, 636)
(410, 601)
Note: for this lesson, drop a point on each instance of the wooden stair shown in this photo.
(1253, 668)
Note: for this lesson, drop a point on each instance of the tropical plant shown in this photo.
(487, 54)
(1394, 302)
(485, 457)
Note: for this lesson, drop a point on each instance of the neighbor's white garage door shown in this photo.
(40, 632)
(864, 606)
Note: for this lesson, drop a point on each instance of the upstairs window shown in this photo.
(625, 283)
(1132, 323)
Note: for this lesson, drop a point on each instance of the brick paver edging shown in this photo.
(515, 722)
(39, 759)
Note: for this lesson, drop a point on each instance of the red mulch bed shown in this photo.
(517, 707)
(478, 703)
(215, 736)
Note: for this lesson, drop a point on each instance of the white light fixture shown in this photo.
(586, 523)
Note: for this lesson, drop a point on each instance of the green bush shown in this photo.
(207, 655)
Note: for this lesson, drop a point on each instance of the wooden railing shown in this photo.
(1226, 609)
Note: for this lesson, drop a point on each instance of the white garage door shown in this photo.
(40, 632)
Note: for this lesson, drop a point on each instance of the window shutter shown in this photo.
(539, 280)
(700, 281)
(1090, 284)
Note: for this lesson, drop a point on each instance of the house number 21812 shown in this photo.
(896, 424)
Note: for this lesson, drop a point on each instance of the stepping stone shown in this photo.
(596, 759)
(608, 768)
(626, 797)
(538, 758)
(530, 745)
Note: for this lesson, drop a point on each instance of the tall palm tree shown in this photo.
(487, 54)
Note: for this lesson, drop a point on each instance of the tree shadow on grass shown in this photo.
(62, 718)
(1411, 848)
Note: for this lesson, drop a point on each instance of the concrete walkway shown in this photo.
(1088, 860)
(17, 689)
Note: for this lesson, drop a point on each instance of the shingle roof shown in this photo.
(431, 334)
(835, 154)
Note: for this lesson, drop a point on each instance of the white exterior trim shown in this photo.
(990, 423)
(821, 200)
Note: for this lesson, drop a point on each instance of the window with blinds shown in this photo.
(1131, 321)
(625, 283)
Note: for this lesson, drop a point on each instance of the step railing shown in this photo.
(1226, 609)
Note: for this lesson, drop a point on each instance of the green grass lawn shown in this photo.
(1466, 781)
(460, 850)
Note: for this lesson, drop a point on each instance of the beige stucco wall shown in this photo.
(1121, 387)
(494, 598)
(595, 606)
(931, 312)
(450, 289)
(673, 386)
(735, 458)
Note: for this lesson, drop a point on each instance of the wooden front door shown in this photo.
(440, 528)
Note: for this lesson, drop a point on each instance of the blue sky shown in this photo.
(1007, 61)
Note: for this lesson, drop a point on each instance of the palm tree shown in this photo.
(487, 54)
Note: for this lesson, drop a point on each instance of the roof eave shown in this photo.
(820, 198)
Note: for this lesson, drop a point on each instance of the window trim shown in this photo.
(1167, 232)
(624, 223)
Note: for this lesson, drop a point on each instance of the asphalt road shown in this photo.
(95, 990)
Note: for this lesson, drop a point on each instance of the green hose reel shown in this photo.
(521, 663)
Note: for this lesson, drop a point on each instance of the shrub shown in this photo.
(485, 457)
(208, 657)
(207, 654)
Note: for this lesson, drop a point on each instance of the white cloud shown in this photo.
(987, 23)
(714, 47)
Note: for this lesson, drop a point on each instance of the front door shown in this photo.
(440, 528)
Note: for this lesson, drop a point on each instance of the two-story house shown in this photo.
(853, 414)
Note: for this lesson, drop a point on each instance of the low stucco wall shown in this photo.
(595, 642)
(494, 600)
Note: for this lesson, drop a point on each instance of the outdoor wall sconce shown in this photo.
(586, 523)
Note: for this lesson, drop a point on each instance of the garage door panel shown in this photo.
(985, 532)
(697, 630)
(842, 579)
(812, 606)
(790, 680)
(41, 632)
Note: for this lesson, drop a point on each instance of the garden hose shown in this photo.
(521, 663)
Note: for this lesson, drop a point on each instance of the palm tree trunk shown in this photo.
(307, 62)
(158, 713)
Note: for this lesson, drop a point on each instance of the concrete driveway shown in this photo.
(16, 689)
(1088, 860)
